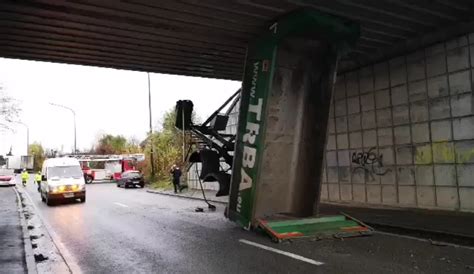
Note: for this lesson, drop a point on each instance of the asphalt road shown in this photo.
(131, 231)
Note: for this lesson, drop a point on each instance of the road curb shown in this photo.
(66, 257)
(29, 254)
(433, 235)
(184, 197)
(400, 227)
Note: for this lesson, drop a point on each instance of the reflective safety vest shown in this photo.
(38, 177)
(25, 176)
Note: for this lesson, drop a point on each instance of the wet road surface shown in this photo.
(12, 255)
(131, 231)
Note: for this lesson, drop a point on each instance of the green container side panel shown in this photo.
(331, 226)
(309, 229)
(310, 23)
(258, 77)
(275, 224)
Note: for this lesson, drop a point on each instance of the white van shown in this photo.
(62, 179)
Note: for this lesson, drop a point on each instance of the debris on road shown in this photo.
(34, 237)
(39, 258)
(438, 243)
(47, 257)
(283, 228)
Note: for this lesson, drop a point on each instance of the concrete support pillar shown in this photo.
(295, 134)
(286, 94)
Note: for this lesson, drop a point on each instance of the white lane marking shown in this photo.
(288, 254)
(120, 204)
(63, 251)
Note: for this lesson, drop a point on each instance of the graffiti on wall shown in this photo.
(370, 162)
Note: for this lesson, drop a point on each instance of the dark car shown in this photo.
(131, 178)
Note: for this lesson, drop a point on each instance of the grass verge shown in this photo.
(161, 184)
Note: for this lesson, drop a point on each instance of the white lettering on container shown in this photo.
(252, 132)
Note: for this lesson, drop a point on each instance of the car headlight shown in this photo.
(77, 187)
(62, 188)
(53, 189)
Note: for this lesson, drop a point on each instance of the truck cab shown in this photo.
(62, 179)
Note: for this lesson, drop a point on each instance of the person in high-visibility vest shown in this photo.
(38, 180)
(24, 177)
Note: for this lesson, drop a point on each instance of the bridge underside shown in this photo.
(208, 38)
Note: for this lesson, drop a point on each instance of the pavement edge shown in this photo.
(432, 235)
(71, 264)
(29, 254)
(184, 196)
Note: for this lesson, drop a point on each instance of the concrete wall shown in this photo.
(401, 132)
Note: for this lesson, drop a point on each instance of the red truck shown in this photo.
(107, 167)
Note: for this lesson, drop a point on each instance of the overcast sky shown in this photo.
(105, 100)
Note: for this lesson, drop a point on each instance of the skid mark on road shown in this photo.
(120, 204)
(281, 252)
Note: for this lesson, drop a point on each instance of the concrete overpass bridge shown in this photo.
(208, 38)
(403, 96)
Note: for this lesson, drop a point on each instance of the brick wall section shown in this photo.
(401, 132)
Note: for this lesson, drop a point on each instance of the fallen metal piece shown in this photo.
(209, 205)
(339, 226)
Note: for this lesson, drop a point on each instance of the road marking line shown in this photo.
(288, 254)
(120, 204)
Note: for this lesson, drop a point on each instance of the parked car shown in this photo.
(131, 178)
(7, 177)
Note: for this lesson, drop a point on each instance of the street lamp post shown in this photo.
(74, 116)
(27, 136)
(152, 150)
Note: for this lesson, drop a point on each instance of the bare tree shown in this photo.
(9, 110)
